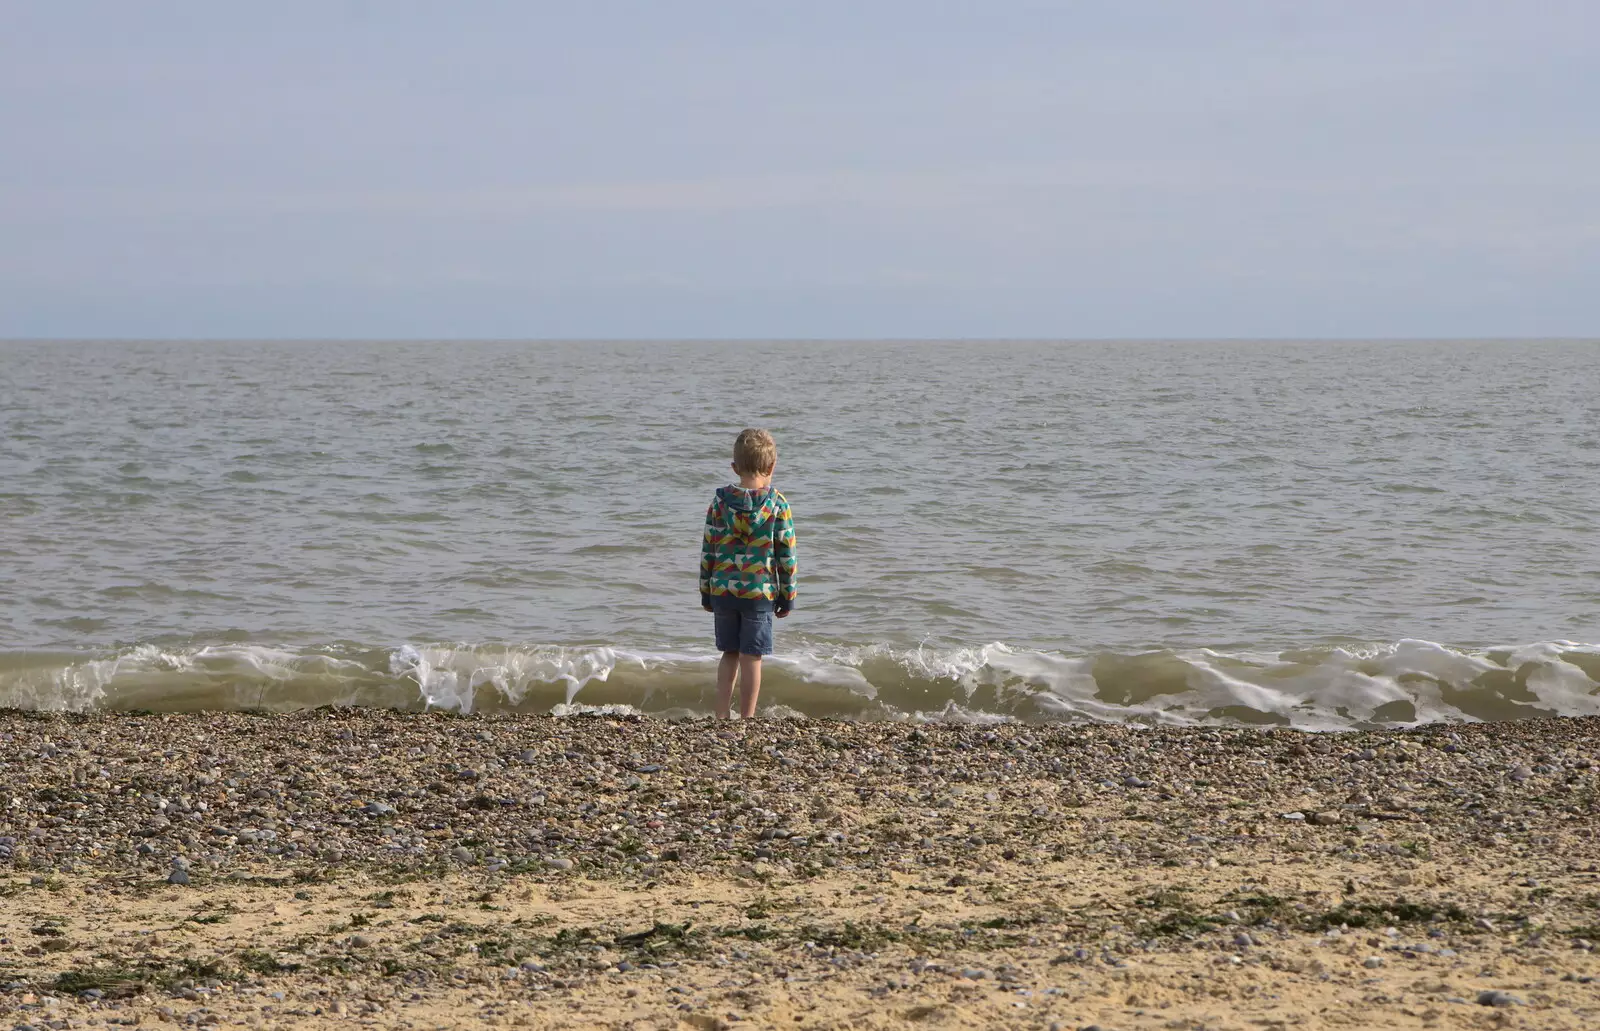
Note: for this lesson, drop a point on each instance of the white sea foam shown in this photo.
(1400, 683)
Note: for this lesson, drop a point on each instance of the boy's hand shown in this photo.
(706, 607)
(781, 613)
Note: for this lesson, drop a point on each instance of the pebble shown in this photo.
(411, 802)
(1372, 962)
(1495, 997)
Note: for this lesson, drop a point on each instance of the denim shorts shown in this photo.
(743, 625)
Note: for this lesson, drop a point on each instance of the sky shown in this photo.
(871, 168)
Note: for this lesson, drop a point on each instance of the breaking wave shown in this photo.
(1402, 683)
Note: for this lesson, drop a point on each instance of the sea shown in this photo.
(1313, 534)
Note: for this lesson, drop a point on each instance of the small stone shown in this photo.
(360, 941)
(1483, 924)
(1372, 962)
(1294, 816)
(178, 876)
(1328, 819)
(559, 863)
(974, 973)
(1495, 997)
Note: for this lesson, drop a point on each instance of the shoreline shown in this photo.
(1320, 685)
(427, 870)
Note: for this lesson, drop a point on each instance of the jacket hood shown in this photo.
(745, 511)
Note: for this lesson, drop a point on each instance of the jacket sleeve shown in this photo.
(785, 562)
(708, 547)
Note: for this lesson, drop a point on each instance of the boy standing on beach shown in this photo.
(747, 568)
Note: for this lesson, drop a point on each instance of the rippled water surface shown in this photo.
(1323, 534)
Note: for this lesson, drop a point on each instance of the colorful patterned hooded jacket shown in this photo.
(748, 547)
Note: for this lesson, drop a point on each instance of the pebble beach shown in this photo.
(347, 867)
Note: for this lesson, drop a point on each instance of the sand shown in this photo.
(388, 869)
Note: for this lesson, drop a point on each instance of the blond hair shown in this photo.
(754, 453)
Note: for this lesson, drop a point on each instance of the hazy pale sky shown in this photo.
(1190, 168)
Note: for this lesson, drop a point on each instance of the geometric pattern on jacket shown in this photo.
(748, 548)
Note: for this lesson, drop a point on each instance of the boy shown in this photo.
(747, 568)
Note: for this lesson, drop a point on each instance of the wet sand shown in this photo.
(341, 868)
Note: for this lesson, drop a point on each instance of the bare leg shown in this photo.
(749, 684)
(725, 670)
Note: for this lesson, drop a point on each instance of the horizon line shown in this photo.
(437, 339)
